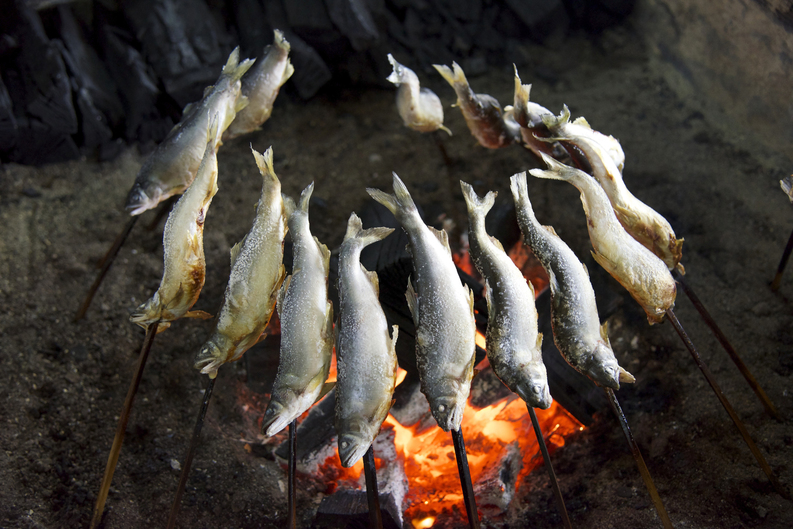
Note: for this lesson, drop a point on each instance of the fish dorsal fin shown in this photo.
(443, 237)
(497, 243)
(586, 270)
(539, 341)
(279, 302)
(487, 295)
(242, 102)
(208, 90)
(626, 377)
(604, 332)
(582, 121)
(373, 279)
(552, 231)
(235, 251)
(413, 302)
(188, 108)
(325, 254)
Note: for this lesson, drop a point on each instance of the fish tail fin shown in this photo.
(558, 171)
(279, 41)
(366, 237)
(478, 207)
(396, 75)
(554, 122)
(520, 193)
(399, 201)
(234, 68)
(213, 130)
(522, 91)
(264, 161)
(305, 197)
(454, 75)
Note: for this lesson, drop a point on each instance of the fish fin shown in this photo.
(279, 300)
(442, 236)
(445, 129)
(496, 243)
(478, 207)
(488, 293)
(242, 102)
(188, 108)
(453, 75)
(305, 197)
(681, 268)
(539, 341)
(470, 298)
(395, 76)
(552, 231)
(208, 90)
(234, 68)
(235, 251)
(289, 205)
(213, 130)
(326, 388)
(413, 302)
(264, 161)
(582, 121)
(394, 336)
(198, 314)
(288, 72)
(371, 235)
(531, 288)
(261, 338)
(325, 255)
(400, 200)
(586, 271)
(556, 170)
(280, 41)
(604, 332)
(373, 279)
(626, 377)
(552, 121)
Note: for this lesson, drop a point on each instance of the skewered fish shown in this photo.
(366, 355)
(787, 186)
(442, 310)
(256, 274)
(577, 332)
(184, 268)
(529, 116)
(482, 112)
(261, 85)
(172, 167)
(643, 274)
(306, 324)
(640, 220)
(419, 108)
(514, 346)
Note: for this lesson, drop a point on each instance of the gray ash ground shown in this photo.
(64, 382)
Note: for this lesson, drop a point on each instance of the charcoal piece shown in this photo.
(410, 406)
(252, 26)
(38, 143)
(487, 389)
(353, 19)
(8, 123)
(544, 18)
(311, 71)
(349, 509)
(495, 487)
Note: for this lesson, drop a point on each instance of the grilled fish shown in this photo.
(787, 186)
(419, 108)
(184, 268)
(514, 346)
(636, 268)
(257, 272)
(577, 332)
(640, 220)
(172, 167)
(306, 324)
(366, 355)
(442, 310)
(529, 116)
(482, 112)
(261, 85)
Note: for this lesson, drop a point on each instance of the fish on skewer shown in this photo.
(257, 272)
(306, 324)
(577, 331)
(261, 85)
(184, 268)
(366, 354)
(528, 115)
(172, 167)
(636, 268)
(419, 108)
(514, 345)
(442, 310)
(640, 220)
(483, 115)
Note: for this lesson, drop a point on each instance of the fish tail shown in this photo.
(396, 75)
(478, 207)
(234, 68)
(559, 171)
(265, 163)
(305, 197)
(554, 122)
(454, 75)
(355, 231)
(520, 193)
(400, 201)
(280, 41)
(522, 91)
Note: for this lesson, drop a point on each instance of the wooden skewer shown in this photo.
(557, 492)
(188, 462)
(292, 513)
(637, 456)
(372, 495)
(782, 264)
(728, 407)
(121, 429)
(742, 367)
(465, 478)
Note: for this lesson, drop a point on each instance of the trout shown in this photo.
(529, 116)
(419, 108)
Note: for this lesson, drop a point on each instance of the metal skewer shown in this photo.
(782, 264)
(188, 462)
(557, 492)
(727, 406)
(742, 367)
(637, 455)
(292, 513)
(372, 495)
(121, 429)
(465, 478)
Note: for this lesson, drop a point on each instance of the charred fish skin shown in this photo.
(366, 354)
(261, 85)
(184, 268)
(529, 116)
(514, 345)
(419, 108)
(306, 323)
(577, 331)
(442, 310)
(256, 275)
(636, 268)
(171, 168)
(482, 112)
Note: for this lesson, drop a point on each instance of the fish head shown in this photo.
(535, 391)
(212, 355)
(140, 199)
(352, 446)
(148, 312)
(448, 410)
(603, 367)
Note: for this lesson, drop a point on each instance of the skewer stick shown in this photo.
(557, 492)
(742, 367)
(442, 147)
(782, 264)
(728, 407)
(637, 455)
(465, 478)
(121, 429)
(372, 495)
(188, 462)
(292, 514)
(104, 266)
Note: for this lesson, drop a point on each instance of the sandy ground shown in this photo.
(65, 382)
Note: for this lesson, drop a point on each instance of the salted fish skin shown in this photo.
(261, 85)
(577, 331)
(641, 272)
(442, 309)
(514, 345)
(365, 353)
(482, 112)
(256, 275)
(420, 108)
(171, 168)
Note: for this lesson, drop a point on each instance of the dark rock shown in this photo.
(311, 71)
(544, 18)
(252, 27)
(308, 16)
(8, 123)
(353, 19)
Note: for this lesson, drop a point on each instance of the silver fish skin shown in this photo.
(636, 268)
(306, 324)
(514, 345)
(261, 85)
(256, 275)
(171, 168)
(366, 354)
(561, 125)
(442, 309)
(482, 112)
(184, 268)
(419, 108)
(577, 332)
